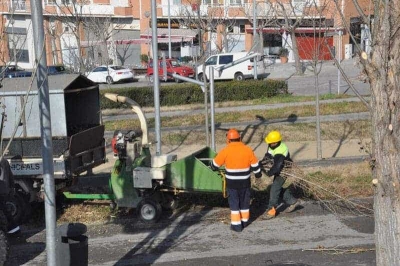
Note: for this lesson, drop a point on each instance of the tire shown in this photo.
(4, 248)
(201, 77)
(18, 207)
(169, 201)
(239, 76)
(149, 210)
(109, 80)
(178, 80)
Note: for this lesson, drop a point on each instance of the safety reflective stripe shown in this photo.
(245, 214)
(235, 218)
(215, 164)
(237, 174)
(242, 177)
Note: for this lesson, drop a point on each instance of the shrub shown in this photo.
(187, 93)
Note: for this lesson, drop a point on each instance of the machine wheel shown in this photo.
(3, 247)
(109, 80)
(18, 207)
(239, 76)
(169, 201)
(149, 210)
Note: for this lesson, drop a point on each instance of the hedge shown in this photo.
(187, 93)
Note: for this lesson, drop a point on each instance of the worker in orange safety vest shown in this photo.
(239, 160)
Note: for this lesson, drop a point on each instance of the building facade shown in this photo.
(84, 33)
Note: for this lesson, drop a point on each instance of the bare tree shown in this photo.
(381, 63)
(83, 33)
(214, 21)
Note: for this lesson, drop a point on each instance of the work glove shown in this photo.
(258, 175)
(211, 165)
(269, 173)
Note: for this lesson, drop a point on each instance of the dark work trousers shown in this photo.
(10, 219)
(239, 203)
(277, 191)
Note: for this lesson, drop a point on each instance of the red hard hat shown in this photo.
(232, 134)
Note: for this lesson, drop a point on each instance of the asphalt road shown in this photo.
(309, 236)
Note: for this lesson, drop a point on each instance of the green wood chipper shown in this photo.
(149, 182)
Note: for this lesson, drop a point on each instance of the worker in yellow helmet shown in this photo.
(239, 160)
(279, 153)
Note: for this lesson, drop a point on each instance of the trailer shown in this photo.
(149, 182)
(77, 134)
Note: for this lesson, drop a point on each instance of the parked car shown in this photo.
(240, 71)
(172, 67)
(14, 71)
(57, 70)
(110, 74)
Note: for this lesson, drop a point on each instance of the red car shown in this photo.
(173, 67)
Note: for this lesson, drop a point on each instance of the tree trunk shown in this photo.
(383, 69)
(295, 48)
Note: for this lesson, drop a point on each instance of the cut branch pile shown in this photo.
(314, 188)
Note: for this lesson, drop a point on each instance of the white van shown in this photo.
(241, 71)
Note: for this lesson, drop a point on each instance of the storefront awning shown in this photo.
(177, 36)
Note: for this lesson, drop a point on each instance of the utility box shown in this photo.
(348, 51)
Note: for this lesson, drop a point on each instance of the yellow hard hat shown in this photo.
(273, 137)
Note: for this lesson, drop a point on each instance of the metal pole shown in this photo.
(254, 37)
(169, 30)
(156, 84)
(45, 131)
(212, 109)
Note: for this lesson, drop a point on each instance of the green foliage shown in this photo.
(283, 51)
(144, 58)
(187, 93)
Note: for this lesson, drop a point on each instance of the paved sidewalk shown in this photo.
(328, 78)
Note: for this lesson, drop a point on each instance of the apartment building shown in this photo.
(94, 32)
(76, 32)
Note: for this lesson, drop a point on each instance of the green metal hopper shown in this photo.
(193, 174)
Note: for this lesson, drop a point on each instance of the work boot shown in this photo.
(271, 213)
(245, 224)
(237, 228)
(292, 207)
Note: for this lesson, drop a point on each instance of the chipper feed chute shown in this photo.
(193, 174)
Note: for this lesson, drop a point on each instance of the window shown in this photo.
(211, 61)
(210, 2)
(235, 2)
(242, 28)
(51, 2)
(66, 2)
(225, 59)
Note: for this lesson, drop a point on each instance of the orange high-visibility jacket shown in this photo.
(239, 161)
